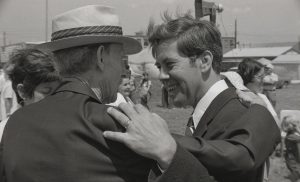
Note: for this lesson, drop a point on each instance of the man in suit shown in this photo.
(59, 139)
(231, 140)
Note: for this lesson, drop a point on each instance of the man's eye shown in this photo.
(169, 65)
(158, 66)
(46, 91)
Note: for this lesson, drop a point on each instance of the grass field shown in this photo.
(287, 98)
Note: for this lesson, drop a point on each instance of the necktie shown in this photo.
(190, 128)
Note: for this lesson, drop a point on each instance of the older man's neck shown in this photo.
(92, 78)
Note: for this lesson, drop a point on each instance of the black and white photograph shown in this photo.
(149, 91)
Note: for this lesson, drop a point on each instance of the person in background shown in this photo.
(269, 83)
(8, 99)
(164, 96)
(132, 84)
(2, 82)
(32, 75)
(252, 74)
(123, 91)
(125, 86)
(291, 125)
(144, 90)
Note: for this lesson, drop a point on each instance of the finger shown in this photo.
(128, 109)
(129, 100)
(115, 136)
(119, 116)
(141, 109)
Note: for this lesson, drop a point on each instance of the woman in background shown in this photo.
(252, 73)
(33, 76)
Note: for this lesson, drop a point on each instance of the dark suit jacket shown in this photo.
(59, 139)
(232, 141)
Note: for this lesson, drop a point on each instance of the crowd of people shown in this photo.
(84, 119)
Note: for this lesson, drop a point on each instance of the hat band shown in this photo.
(91, 30)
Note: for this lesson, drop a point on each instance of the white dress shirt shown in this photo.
(206, 100)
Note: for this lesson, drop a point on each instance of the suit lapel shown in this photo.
(217, 104)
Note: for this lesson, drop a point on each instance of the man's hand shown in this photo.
(249, 98)
(146, 133)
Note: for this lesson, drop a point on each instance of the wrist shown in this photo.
(165, 154)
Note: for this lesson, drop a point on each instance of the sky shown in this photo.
(259, 21)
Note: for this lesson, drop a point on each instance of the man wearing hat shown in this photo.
(59, 139)
(269, 81)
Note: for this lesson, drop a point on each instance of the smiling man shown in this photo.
(226, 137)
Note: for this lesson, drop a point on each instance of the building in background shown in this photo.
(228, 44)
(287, 66)
(235, 56)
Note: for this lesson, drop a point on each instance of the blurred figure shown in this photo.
(252, 74)
(132, 84)
(8, 99)
(2, 82)
(33, 77)
(123, 91)
(164, 96)
(166, 102)
(269, 83)
(125, 86)
(144, 91)
(291, 125)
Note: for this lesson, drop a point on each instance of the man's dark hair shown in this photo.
(30, 67)
(193, 37)
(248, 68)
(76, 60)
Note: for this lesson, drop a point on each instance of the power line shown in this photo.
(222, 22)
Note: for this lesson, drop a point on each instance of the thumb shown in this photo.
(115, 136)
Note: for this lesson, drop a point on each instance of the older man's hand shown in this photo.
(249, 98)
(146, 133)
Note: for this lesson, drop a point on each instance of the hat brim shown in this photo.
(131, 46)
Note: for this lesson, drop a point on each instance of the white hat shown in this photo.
(88, 25)
(265, 62)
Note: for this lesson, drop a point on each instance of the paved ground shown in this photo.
(288, 98)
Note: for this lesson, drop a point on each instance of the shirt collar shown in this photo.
(206, 100)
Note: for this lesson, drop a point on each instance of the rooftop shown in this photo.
(257, 52)
(288, 59)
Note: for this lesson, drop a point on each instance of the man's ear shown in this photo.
(100, 57)
(206, 61)
(21, 92)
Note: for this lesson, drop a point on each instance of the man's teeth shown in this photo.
(172, 88)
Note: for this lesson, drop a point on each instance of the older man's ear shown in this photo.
(100, 57)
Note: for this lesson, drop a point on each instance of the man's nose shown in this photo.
(163, 74)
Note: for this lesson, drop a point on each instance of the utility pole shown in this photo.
(46, 22)
(4, 38)
(235, 33)
(203, 8)
(198, 8)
